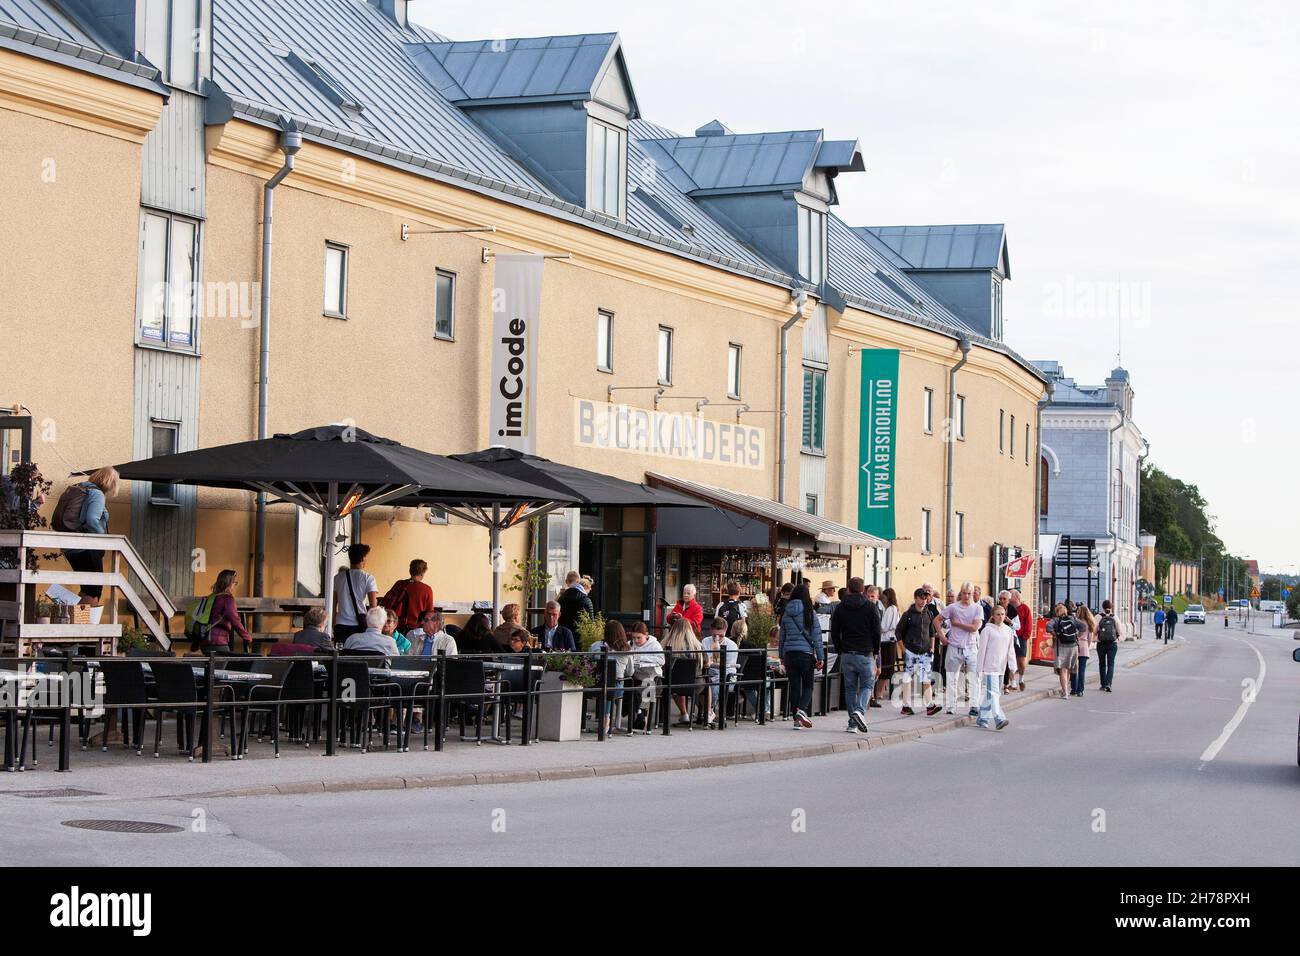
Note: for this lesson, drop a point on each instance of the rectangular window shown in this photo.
(927, 411)
(959, 533)
(925, 530)
(336, 280)
(814, 410)
(810, 504)
(605, 341)
(997, 310)
(1002, 430)
(812, 244)
(1026, 443)
(163, 441)
(607, 169)
(1012, 433)
(444, 305)
(733, 370)
(665, 355)
(959, 415)
(168, 270)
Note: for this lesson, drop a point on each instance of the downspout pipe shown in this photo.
(1113, 511)
(290, 144)
(964, 344)
(800, 299)
(1038, 484)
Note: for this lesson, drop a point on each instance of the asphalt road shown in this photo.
(1173, 768)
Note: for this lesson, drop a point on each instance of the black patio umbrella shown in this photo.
(336, 469)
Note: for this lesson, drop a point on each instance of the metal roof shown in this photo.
(38, 28)
(537, 68)
(822, 529)
(44, 18)
(978, 246)
(744, 161)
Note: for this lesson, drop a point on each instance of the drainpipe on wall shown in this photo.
(1137, 524)
(1111, 509)
(290, 143)
(800, 298)
(1038, 486)
(964, 344)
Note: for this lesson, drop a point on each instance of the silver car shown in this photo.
(1195, 614)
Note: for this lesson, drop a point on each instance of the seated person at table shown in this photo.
(723, 647)
(430, 638)
(477, 637)
(373, 637)
(551, 634)
(648, 665)
(681, 640)
(622, 661)
(311, 633)
(511, 616)
(390, 628)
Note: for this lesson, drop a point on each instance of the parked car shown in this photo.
(1195, 614)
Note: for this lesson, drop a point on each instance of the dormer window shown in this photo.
(173, 39)
(812, 245)
(607, 169)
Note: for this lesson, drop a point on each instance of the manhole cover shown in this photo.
(123, 826)
(55, 792)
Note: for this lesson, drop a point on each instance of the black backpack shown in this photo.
(1107, 629)
(67, 513)
(1067, 632)
(729, 611)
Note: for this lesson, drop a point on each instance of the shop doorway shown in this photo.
(625, 574)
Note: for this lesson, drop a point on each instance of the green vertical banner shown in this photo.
(877, 436)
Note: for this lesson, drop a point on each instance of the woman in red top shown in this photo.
(225, 619)
(689, 609)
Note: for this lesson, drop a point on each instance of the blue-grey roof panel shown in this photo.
(745, 161)
(44, 18)
(531, 67)
(973, 246)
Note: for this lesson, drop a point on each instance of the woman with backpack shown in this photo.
(224, 621)
(1065, 631)
(83, 508)
(1087, 640)
(801, 652)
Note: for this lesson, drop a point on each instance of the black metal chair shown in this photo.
(466, 685)
(682, 679)
(177, 692)
(360, 698)
(126, 693)
(294, 684)
(750, 694)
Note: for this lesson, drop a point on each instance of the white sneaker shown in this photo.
(851, 729)
(857, 721)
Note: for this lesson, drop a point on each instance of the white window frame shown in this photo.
(342, 313)
(959, 532)
(959, 416)
(664, 357)
(927, 412)
(1026, 443)
(598, 168)
(166, 56)
(811, 229)
(450, 334)
(811, 504)
(167, 498)
(1002, 431)
(605, 328)
(193, 287)
(997, 310)
(1011, 432)
(926, 540)
(810, 441)
(735, 354)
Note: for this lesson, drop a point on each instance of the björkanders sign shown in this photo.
(878, 432)
(516, 311)
(667, 434)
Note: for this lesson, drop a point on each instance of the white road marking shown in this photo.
(1212, 751)
(1117, 713)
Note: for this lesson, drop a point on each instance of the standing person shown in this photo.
(730, 609)
(573, 601)
(827, 595)
(782, 599)
(410, 597)
(1024, 625)
(689, 609)
(965, 619)
(1087, 640)
(916, 632)
(889, 652)
(681, 639)
(996, 643)
(225, 622)
(1065, 632)
(1170, 620)
(855, 632)
(355, 592)
(83, 508)
(1004, 602)
(801, 652)
(1158, 619)
(551, 634)
(1107, 644)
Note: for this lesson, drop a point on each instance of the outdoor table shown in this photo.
(14, 760)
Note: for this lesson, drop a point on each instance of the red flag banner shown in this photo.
(1019, 568)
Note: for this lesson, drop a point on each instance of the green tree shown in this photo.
(1270, 589)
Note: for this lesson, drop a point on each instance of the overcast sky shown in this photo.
(1144, 157)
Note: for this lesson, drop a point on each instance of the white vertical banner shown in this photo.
(516, 311)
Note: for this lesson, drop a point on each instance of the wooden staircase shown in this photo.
(121, 556)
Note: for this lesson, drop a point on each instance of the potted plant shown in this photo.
(133, 640)
(44, 610)
(566, 676)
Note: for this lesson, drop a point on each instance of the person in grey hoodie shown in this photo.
(800, 648)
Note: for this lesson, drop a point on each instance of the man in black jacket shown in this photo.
(855, 632)
(573, 601)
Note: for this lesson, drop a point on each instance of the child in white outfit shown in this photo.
(996, 643)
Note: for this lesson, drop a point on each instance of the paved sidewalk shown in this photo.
(120, 774)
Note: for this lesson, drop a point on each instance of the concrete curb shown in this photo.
(660, 765)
